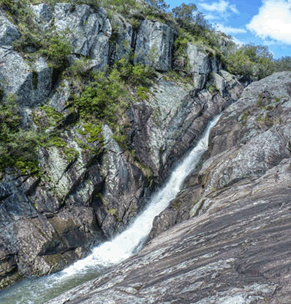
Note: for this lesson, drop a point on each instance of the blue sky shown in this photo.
(264, 22)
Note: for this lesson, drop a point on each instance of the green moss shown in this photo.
(112, 211)
(71, 154)
(82, 144)
(56, 141)
(93, 132)
(245, 115)
(101, 197)
(212, 88)
(143, 93)
(53, 117)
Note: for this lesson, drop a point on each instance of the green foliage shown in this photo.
(143, 93)
(158, 4)
(212, 88)
(57, 49)
(245, 115)
(240, 63)
(112, 211)
(135, 75)
(251, 60)
(17, 145)
(121, 5)
(184, 12)
(34, 39)
(101, 97)
(93, 131)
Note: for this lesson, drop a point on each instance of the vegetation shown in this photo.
(34, 39)
(104, 97)
(17, 145)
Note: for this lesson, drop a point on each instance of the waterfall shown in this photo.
(124, 245)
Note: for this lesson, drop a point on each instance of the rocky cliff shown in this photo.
(91, 181)
(232, 241)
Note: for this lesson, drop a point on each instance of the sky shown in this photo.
(263, 22)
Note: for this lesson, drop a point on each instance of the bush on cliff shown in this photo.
(17, 144)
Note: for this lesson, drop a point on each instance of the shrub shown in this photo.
(17, 145)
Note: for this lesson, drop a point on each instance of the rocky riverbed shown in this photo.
(232, 243)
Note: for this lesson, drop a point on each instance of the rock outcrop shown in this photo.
(89, 31)
(30, 83)
(154, 45)
(234, 246)
(200, 65)
(88, 191)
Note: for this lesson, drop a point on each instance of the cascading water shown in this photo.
(40, 290)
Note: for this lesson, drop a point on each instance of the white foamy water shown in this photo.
(111, 252)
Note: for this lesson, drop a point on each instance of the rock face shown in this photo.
(31, 83)
(87, 191)
(89, 32)
(154, 45)
(8, 31)
(200, 65)
(234, 247)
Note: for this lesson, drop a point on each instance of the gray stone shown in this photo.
(88, 32)
(43, 12)
(200, 64)
(123, 188)
(219, 83)
(31, 84)
(236, 252)
(123, 31)
(154, 45)
(8, 32)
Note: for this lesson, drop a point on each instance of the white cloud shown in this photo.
(233, 9)
(273, 21)
(210, 17)
(221, 6)
(230, 30)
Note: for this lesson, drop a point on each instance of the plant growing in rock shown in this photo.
(17, 144)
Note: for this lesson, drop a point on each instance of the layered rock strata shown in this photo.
(82, 198)
(234, 247)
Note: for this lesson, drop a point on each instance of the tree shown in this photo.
(283, 64)
(158, 4)
(185, 12)
(251, 60)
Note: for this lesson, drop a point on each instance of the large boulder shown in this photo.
(43, 12)
(8, 31)
(200, 63)
(173, 118)
(154, 45)
(87, 30)
(29, 82)
(124, 186)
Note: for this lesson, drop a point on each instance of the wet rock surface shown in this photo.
(232, 241)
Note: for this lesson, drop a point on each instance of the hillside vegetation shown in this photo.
(103, 97)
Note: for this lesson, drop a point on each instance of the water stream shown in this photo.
(40, 290)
